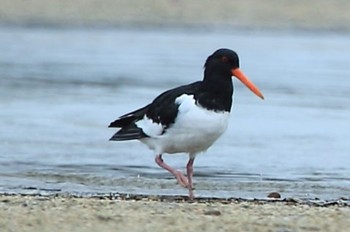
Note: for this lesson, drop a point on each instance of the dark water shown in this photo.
(59, 89)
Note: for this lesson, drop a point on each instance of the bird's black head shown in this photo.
(222, 65)
(222, 60)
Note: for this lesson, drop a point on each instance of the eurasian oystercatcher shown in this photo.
(189, 118)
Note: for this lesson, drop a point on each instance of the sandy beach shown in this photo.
(58, 213)
(268, 14)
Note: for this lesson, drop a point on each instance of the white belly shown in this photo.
(195, 129)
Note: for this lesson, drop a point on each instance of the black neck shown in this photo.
(216, 90)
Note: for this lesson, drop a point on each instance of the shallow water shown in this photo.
(59, 90)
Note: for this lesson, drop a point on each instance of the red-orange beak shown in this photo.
(244, 79)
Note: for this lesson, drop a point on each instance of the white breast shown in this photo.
(195, 129)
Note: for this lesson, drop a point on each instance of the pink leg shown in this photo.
(181, 178)
(189, 168)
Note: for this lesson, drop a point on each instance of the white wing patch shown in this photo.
(149, 127)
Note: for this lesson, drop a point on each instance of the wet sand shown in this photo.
(64, 213)
(228, 14)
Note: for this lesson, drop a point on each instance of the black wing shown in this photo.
(162, 110)
(129, 130)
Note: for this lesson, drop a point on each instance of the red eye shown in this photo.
(224, 59)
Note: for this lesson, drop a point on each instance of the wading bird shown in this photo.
(189, 118)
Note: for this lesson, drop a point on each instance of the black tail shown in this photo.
(129, 130)
(128, 133)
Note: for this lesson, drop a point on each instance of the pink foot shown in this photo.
(181, 179)
(190, 194)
